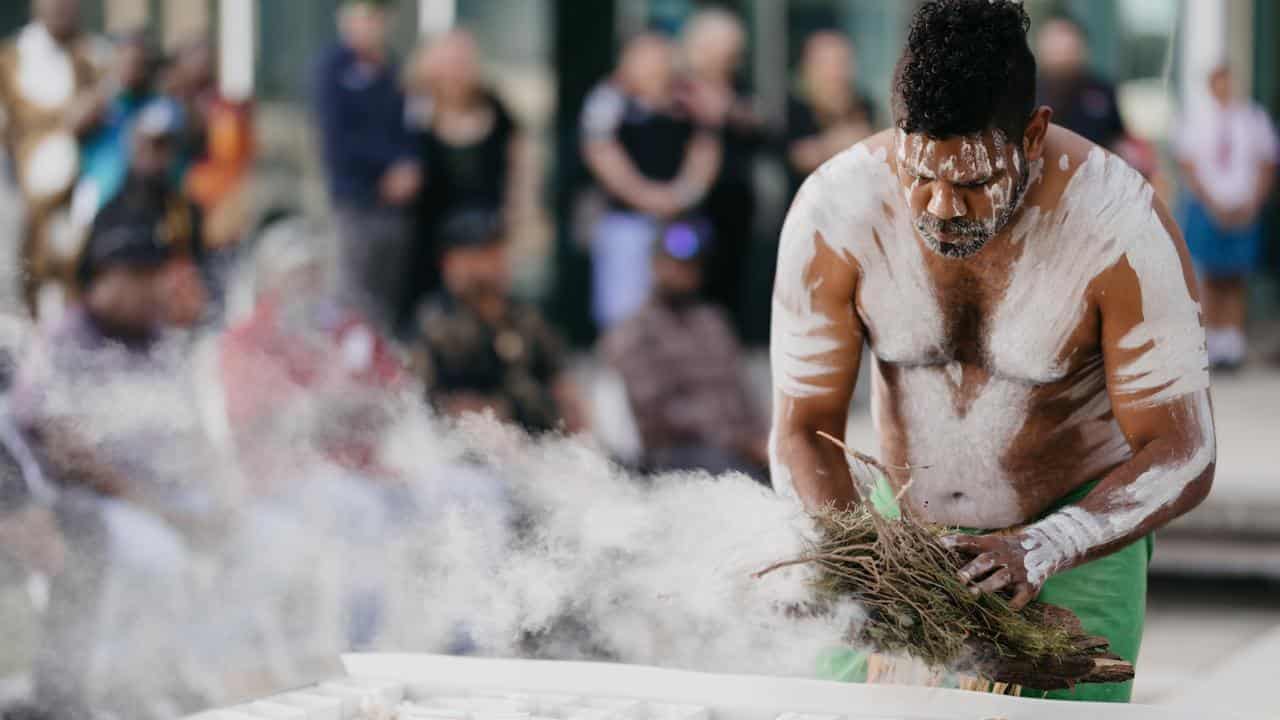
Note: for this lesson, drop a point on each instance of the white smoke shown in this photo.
(604, 564)
(495, 543)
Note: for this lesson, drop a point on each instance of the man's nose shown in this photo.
(944, 202)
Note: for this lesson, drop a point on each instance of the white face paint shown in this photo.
(966, 229)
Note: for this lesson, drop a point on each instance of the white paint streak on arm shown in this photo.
(1073, 533)
(1171, 360)
(1153, 348)
(816, 335)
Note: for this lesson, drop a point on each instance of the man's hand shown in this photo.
(32, 536)
(401, 183)
(999, 563)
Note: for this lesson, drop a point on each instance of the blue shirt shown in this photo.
(361, 113)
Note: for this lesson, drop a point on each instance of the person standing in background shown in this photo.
(148, 195)
(48, 89)
(104, 151)
(1228, 152)
(713, 44)
(373, 169)
(1082, 102)
(654, 157)
(470, 142)
(216, 148)
(830, 113)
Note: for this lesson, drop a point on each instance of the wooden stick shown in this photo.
(867, 459)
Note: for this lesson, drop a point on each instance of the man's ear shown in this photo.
(1037, 129)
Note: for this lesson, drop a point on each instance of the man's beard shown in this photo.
(678, 300)
(973, 234)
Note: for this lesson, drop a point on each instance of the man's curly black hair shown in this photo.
(966, 68)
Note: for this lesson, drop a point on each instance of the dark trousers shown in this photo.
(374, 244)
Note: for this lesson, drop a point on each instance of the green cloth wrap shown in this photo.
(1109, 595)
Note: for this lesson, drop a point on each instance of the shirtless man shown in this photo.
(1038, 359)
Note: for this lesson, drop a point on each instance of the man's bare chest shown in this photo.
(1020, 328)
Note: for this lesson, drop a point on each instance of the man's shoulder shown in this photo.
(849, 190)
(1078, 175)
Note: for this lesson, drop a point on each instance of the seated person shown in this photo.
(679, 360)
(302, 351)
(307, 384)
(148, 195)
(103, 403)
(478, 349)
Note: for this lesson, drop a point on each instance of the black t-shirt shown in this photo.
(474, 175)
(515, 362)
(654, 140)
(1084, 104)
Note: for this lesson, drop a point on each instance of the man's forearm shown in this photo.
(1158, 485)
(815, 468)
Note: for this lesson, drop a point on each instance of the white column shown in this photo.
(1203, 44)
(237, 47)
(436, 16)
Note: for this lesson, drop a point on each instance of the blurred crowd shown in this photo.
(150, 434)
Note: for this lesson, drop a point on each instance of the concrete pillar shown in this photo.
(237, 47)
(436, 16)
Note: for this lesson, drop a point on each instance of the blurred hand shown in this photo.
(998, 564)
(401, 182)
(32, 536)
(709, 104)
(664, 202)
(1233, 218)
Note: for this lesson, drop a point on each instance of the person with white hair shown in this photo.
(308, 384)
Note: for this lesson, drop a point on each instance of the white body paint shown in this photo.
(855, 203)
(1071, 533)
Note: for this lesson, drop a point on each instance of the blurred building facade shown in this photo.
(544, 55)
